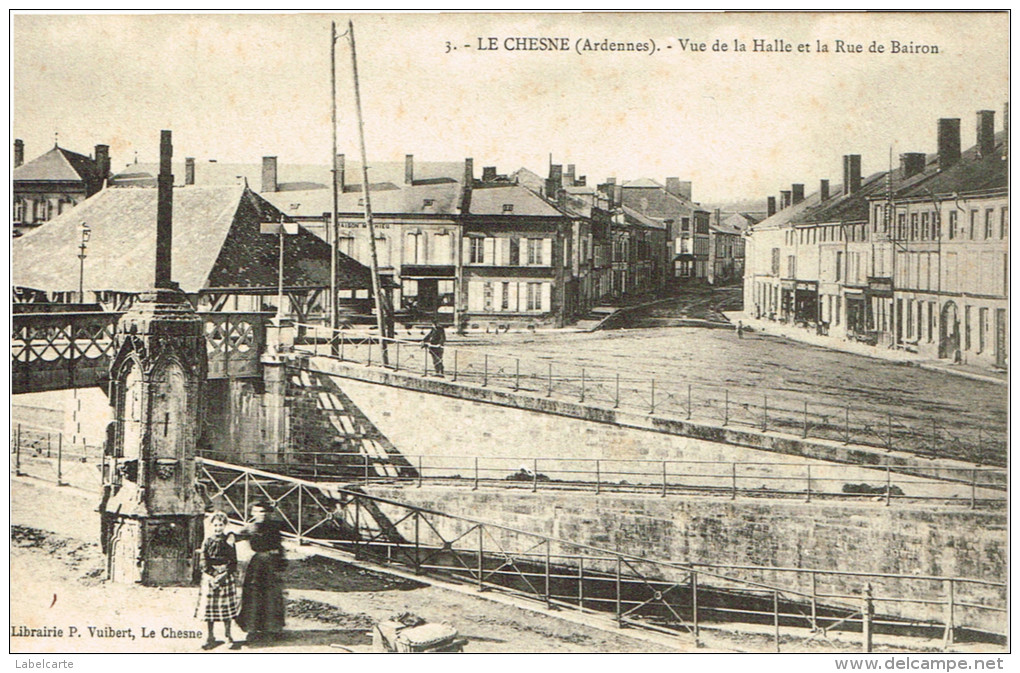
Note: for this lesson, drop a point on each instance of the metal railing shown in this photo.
(975, 487)
(747, 407)
(682, 599)
(49, 455)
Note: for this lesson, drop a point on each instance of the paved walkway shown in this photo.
(891, 354)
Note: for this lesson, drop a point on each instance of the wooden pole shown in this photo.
(380, 300)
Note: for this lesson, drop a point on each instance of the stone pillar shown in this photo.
(151, 515)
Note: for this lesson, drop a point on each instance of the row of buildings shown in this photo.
(502, 249)
(916, 257)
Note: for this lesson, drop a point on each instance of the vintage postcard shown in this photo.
(511, 333)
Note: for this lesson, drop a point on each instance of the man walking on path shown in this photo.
(434, 341)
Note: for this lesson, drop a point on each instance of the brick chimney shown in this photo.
(408, 169)
(823, 190)
(582, 181)
(488, 174)
(103, 161)
(569, 176)
(986, 133)
(771, 208)
(784, 198)
(949, 142)
(798, 193)
(269, 174)
(851, 173)
(189, 170)
(469, 180)
(556, 173)
(673, 186)
(617, 196)
(19, 152)
(338, 175)
(912, 163)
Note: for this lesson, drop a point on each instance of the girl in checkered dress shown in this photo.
(218, 601)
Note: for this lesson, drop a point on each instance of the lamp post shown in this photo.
(86, 233)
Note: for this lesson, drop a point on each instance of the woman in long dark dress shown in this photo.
(262, 607)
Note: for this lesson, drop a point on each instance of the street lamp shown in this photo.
(86, 233)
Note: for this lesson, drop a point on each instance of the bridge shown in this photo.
(74, 349)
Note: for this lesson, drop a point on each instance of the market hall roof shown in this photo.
(58, 165)
(217, 244)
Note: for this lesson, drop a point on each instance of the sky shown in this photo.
(736, 124)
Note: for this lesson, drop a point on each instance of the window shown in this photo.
(839, 266)
(952, 224)
(427, 203)
(1004, 223)
(936, 225)
(476, 250)
(910, 318)
(535, 252)
(534, 297)
(973, 223)
(924, 226)
(901, 226)
(775, 261)
(414, 248)
(913, 226)
(442, 248)
(515, 252)
(19, 210)
(791, 266)
(931, 321)
(685, 224)
(508, 207)
(504, 304)
(988, 223)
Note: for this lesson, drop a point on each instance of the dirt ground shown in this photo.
(56, 579)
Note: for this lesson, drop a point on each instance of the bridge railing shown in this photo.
(683, 599)
(752, 408)
(976, 487)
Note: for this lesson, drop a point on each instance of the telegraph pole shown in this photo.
(380, 300)
(332, 233)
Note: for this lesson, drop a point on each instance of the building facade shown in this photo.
(916, 258)
(54, 182)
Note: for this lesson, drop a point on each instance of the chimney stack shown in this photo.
(851, 173)
(338, 172)
(617, 196)
(189, 170)
(556, 173)
(164, 213)
(569, 176)
(949, 142)
(673, 186)
(408, 169)
(269, 175)
(488, 174)
(798, 193)
(784, 198)
(19, 152)
(912, 163)
(986, 132)
(582, 181)
(103, 161)
(823, 190)
(771, 209)
(469, 180)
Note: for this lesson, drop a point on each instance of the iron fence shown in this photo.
(46, 454)
(974, 487)
(682, 599)
(749, 408)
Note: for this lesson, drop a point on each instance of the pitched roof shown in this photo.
(492, 201)
(387, 199)
(58, 164)
(216, 243)
(291, 177)
(725, 228)
(632, 216)
(971, 173)
(643, 183)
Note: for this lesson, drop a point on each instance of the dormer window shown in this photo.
(508, 207)
(428, 203)
(361, 201)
